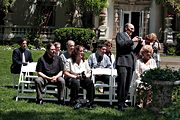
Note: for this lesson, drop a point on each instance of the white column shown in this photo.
(155, 14)
(110, 19)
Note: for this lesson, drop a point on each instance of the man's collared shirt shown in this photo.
(49, 66)
(97, 61)
(64, 56)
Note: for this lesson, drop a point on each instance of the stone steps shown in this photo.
(172, 62)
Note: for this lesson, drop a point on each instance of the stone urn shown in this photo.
(162, 94)
(162, 82)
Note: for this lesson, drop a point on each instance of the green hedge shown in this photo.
(81, 36)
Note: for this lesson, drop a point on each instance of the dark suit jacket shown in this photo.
(125, 51)
(17, 59)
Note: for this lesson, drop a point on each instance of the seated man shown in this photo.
(58, 48)
(50, 71)
(100, 60)
(70, 47)
(111, 56)
(20, 56)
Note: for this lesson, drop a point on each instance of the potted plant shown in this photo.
(162, 81)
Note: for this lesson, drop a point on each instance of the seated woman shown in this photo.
(144, 63)
(77, 73)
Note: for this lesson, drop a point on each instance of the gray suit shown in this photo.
(125, 64)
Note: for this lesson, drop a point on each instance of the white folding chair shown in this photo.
(132, 90)
(27, 84)
(26, 78)
(103, 71)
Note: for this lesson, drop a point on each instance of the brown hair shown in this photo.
(57, 43)
(151, 37)
(21, 40)
(108, 42)
(76, 52)
(48, 46)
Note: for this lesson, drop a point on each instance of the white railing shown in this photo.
(20, 31)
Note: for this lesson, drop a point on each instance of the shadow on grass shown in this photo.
(46, 112)
(82, 114)
(11, 87)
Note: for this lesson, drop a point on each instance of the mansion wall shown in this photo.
(149, 12)
(150, 18)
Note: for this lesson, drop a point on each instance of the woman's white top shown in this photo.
(141, 66)
(75, 68)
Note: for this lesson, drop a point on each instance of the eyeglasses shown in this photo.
(131, 28)
(103, 49)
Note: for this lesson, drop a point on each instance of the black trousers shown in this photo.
(104, 79)
(123, 83)
(75, 84)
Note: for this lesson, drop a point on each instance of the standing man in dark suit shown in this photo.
(20, 56)
(125, 63)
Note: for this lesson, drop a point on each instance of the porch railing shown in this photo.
(9, 32)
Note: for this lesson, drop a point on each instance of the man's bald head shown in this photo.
(70, 46)
(129, 28)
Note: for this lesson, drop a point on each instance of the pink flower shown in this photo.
(170, 15)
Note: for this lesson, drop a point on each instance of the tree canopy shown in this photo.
(94, 5)
(175, 4)
(87, 5)
(5, 5)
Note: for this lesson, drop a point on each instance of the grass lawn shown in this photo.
(28, 110)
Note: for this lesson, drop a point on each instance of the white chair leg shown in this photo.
(66, 95)
(84, 94)
(16, 98)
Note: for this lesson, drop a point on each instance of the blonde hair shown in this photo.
(146, 48)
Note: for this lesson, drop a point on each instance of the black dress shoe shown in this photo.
(90, 105)
(120, 108)
(77, 106)
(61, 102)
(125, 105)
(72, 103)
(39, 101)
